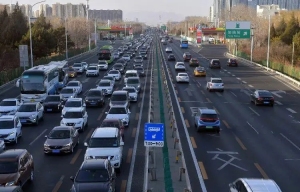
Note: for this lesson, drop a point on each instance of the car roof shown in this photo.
(7, 117)
(182, 74)
(62, 128)
(105, 80)
(260, 184)
(119, 92)
(117, 106)
(94, 164)
(10, 99)
(110, 132)
(12, 154)
(207, 111)
(179, 62)
(133, 78)
(215, 78)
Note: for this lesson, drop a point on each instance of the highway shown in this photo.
(255, 141)
(52, 172)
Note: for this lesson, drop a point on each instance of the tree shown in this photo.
(290, 31)
(60, 40)
(272, 31)
(296, 40)
(281, 27)
(77, 28)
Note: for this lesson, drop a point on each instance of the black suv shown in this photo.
(94, 98)
(171, 57)
(215, 63)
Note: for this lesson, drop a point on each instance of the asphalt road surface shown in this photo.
(255, 141)
(52, 172)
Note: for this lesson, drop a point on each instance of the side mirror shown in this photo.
(85, 144)
(18, 83)
(106, 113)
(72, 178)
(62, 116)
(46, 136)
(122, 143)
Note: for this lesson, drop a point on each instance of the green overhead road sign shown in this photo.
(238, 30)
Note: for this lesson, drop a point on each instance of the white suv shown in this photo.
(73, 103)
(92, 71)
(75, 117)
(119, 112)
(215, 84)
(9, 106)
(103, 65)
(78, 67)
(10, 128)
(106, 143)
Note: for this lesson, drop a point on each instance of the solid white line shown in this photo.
(278, 103)
(38, 137)
(252, 127)
(233, 93)
(254, 111)
(244, 82)
(291, 110)
(250, 86)
(276, 94)
(290, 141)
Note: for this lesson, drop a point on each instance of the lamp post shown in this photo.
(30, 35)
(88, 24)
(125, 29)
(269, 34)
(66, 34)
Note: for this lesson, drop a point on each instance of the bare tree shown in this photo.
(77, 28)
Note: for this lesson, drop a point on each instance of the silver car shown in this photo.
(134, 82)
(30, 113)
(68, 92)
(133, 94)
(138, 59)
(169, 50)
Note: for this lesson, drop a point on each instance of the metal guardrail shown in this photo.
(288, 78)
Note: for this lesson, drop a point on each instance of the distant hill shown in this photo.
(153, 18)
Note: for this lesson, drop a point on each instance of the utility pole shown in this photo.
(96, 35)
(252, 43)
(269, 34)
(88, 24)
(66, 34)
(293, 52)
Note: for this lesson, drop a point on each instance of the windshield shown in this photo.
(73, 115)
(59, 134)
(27, 108)
(184, 42)
(118, 66)
(102, 63)
(92, 68)
(116, 110)
(9, 167)
(180, 65)
(104, 84)
(92, 175)
(139, 58)
(216, 81)
(118, 97)
(183, 75)
(8, 103)
(73, 104)
(103, 142)
(71, 70)
(32, 84)
(7, 124)
(133, 81)
(72, 84)
(108, 78)
(113, 72)
(94, 94)
(69, 91)
(77, 65)
(110, 124)
(52, 98)
(129, 90)
(143, 53)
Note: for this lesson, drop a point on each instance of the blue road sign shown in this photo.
(154, 135)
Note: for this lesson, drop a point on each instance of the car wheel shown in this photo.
(255, 103)
(31, 176)
(16, 140)
(72, 149)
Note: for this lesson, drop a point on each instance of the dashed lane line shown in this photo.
(291, 110)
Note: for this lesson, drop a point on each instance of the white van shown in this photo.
(130, 73)
(252, 185)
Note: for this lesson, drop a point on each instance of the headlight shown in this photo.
(138, 86)
(68, 145)
(86, 100)
(79, 122)
(116, 157)
(12, 133)
(32, 116)
(46, 145)
(10, 183)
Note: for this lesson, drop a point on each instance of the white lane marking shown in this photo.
(252, 127)
(274, 93)
(219, 94)
(84, 94)
(291, 110)
(250, 86)
(238, 78)
(290, 141)
(233, 75)
(38, 137)
(228, 72)
(233, 93)
(254, 111)
(244, 82)
(225, 70)
(278, 103)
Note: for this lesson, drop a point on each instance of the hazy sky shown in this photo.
(179, 7)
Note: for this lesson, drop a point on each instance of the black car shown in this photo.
(215, 63)
(123, 61)
(144, 55)
(53, 103)
(120, 67)
(171, 57)
(232, 62)
(140, 71)
(94, 98)
(262, 97)
(94, 175)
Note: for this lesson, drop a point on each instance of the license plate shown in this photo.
(56, 151)
(32, 100)
(209, 127)
(93, 103)
(23, 121)
(266, 102)
(49, 109)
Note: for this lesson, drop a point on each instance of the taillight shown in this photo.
(272, 98)
(260, 99)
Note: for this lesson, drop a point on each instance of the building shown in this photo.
(45, 9)
(283, 4)
(266, 10)
(211, 14)
(105, 15)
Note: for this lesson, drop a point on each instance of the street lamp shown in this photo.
(269, 36)
(66, 34)
(87, 20)
(30, 35)
(125, 29)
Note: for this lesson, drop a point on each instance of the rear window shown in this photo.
(209, 116)
(216, 81)
(265, 94)
(216, 62)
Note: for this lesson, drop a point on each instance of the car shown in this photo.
(9, 106)
(215, 63)
(121, 51)
(116, 55)
(199, 71)
(2, 146)
(133, 93)
(61, 139)
(68, 92)
(262, 97)
(215, 84)
(11, 189)
(94, 175)
(115, 73)
(71, 72)
(170, 41)
(75, 85)
(138, 59)
(165, 42)
(179, 66)
(134, 82)
(106, 86)
(132, 53)
(103, 65)
(84, 64)
(119, 112)
(53, 103)
(120, 98)
(113, 123)
(30, 113)
(119, 67)
(140, 70)
(75, 117)
(171, 57)
(130, 73)
(206, 119)
(187, 56)
(254, 184)
(169, 50)
(92, 71)
(135, 65)
(104, 143)
(125, 48)
(123, 61)
(194, 62)
(232, 62)
(144, 55)
(78, 67)
(73, 103)
(112, 79)
(10, 129)
(126, 57)
(182, 78)
(18, 164)
(94, 97)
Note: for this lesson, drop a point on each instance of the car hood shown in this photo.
(92, 70)
(102, 65)
(72, 120)
(93, 98)
(8, 108)
(88, 187)
(133, 85)
(132, 94)
(118, 102)
(104, 87)
(58, 142)
(25, 114)
(116, 116)
(7, 131)
(113, 75)
(51, 103)
(65, 109)
(5, 178)
(102, 152)
(67, 95)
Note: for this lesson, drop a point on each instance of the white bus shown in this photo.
(38, 82)
(62, 68)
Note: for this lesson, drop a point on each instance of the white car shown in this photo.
(30, 113)
(179, 66)
(73, 103)
(112, 79)
(115, 73)
(215, 84)
(85, 65)
(169, 50)
(119, 112)
(103, 65)
(9, 106)
(104, 143)
(10, 129)
(126, 57)
(116, 55)
(106, 86)
(92, 71)
(78, 67)
(182, 78)
(2, 146)
(133, 93)
(75, 117)
(76, 85)
(68, 92)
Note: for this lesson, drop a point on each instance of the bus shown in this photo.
(38, 82)
(105, 53)
(62, 66)
(184, 43)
